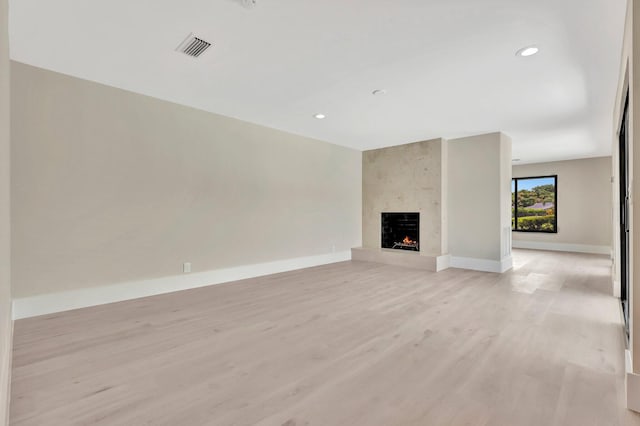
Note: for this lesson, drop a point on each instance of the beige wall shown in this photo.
(111, 186)
(5, 287)
(6, 324)
(583, 204)
(405, 178)
(479, 175)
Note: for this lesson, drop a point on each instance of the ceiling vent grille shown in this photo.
(193, 46)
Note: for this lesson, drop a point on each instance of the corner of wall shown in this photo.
(6, 323)
(505, 197)
(506, 264)
(444, 198)
(477, 168)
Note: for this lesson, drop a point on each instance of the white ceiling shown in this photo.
(449, 66)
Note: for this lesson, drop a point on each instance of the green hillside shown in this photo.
(538, 194)
(535, 219)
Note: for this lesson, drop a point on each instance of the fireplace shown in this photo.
(401, 231)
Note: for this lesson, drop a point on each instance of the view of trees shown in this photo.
(534, 206)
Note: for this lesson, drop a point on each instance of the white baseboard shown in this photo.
(616, 288)
(443, 262)
(506, 263)
(484, 265)
(43, 304)
(575, 248)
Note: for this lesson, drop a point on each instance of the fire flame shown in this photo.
(408, 240)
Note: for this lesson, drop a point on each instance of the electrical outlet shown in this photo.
(186, 267)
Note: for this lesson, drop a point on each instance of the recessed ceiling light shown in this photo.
(320, 116)
(379, 92)
(527, 51)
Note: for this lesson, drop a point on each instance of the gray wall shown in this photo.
(405, 178)
(111, 186)
(478, 197)
(584, 201)
(5, 286)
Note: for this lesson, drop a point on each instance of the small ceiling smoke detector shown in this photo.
(527, 51)
(379, 92)
(320, 116)
(193, 46)
(249, 4)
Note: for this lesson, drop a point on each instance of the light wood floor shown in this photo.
(344, 344)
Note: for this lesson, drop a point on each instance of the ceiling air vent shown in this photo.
(193, 46)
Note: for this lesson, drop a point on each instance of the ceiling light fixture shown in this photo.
(527, 51)
(320, 116)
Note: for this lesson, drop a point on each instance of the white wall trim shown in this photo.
(443, 262)
(632, 383)
(576, 248)
(43, 304)
(616, 289)
(506, 263)
(484, 265)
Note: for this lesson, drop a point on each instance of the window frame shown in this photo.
(515, 180)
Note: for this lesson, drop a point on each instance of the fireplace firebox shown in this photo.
(401, 231)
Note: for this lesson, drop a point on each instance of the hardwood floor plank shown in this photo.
(351, 343)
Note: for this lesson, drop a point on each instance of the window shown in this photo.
(534, 204)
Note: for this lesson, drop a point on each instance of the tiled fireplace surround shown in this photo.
(429, 178)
